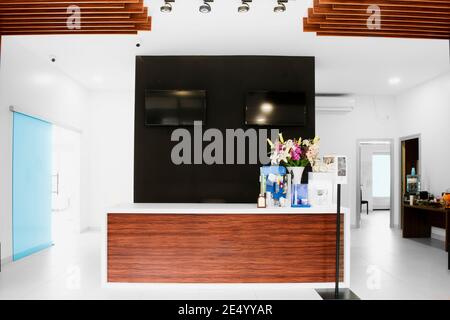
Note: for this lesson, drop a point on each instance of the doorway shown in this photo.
(409, 164)
(374, 185)
(65, 184)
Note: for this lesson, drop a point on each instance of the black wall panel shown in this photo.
(226, 80)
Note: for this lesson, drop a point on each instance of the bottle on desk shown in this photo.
(261, 201)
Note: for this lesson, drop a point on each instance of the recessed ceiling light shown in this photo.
(280, 7)
(167, 7)
(394, 81)
(244, 7)
(205, 7)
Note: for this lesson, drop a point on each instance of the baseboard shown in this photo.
(6, 260)
(92, 229)
(28, 252)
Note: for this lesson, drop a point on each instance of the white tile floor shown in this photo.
(384, 266)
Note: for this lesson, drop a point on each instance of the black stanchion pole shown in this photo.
(338, 240)
(337, 294)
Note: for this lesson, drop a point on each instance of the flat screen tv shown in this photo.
(274, 108)
(174, 107)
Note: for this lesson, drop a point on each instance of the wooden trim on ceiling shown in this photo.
(19, 17)
(398, 18)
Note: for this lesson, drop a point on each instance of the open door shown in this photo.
(32, 185)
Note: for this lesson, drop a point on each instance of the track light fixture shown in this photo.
(280, 7)
(244, 7)
(206, 7)
(167, 7)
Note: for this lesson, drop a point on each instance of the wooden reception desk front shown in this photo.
(223, 243)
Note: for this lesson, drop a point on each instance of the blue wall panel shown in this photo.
(32, 185)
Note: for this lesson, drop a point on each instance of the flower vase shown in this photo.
(296, 174)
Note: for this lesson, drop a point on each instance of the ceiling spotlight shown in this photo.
(167, 7)
(244, 7)
(280, 7)
(206, 7)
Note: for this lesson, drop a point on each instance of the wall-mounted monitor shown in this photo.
(174, 107)
(272, 108)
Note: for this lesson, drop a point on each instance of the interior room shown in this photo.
(246, 150)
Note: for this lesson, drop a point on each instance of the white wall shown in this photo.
(34, 86)
(421, 110)
(111, 152)
(372, 118)
(425, 110)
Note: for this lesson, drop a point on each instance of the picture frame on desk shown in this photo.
(337, 165)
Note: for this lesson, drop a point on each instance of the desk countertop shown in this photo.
(214, 208)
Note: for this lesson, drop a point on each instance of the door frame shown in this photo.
(417, 136)
(359, 143)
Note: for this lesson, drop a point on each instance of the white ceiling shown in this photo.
(343, 65)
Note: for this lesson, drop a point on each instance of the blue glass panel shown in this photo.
(32, 185)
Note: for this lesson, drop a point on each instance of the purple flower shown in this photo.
(295, 153)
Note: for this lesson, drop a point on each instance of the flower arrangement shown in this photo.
(294, 152)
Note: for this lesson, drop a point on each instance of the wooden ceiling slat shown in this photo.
(63, 18)
(445, 20)
(50, 17)
(68, 2)
(126, 28)
(420, 24)
(381, 35)
(424, 4)
(141, 23)
(399, 18)
(53, 32)
(387, 15)
(8, 8)
(384, 9)
(83, 21)
(330, 10)
(345, 32)
(62, 27)
(346, 26)
(126, 9)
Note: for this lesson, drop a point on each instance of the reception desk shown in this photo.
(223, 243)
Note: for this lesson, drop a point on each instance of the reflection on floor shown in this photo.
(384, 266)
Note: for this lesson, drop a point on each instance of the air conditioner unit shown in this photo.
(335, 104)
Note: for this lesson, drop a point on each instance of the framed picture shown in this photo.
(337, 165)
